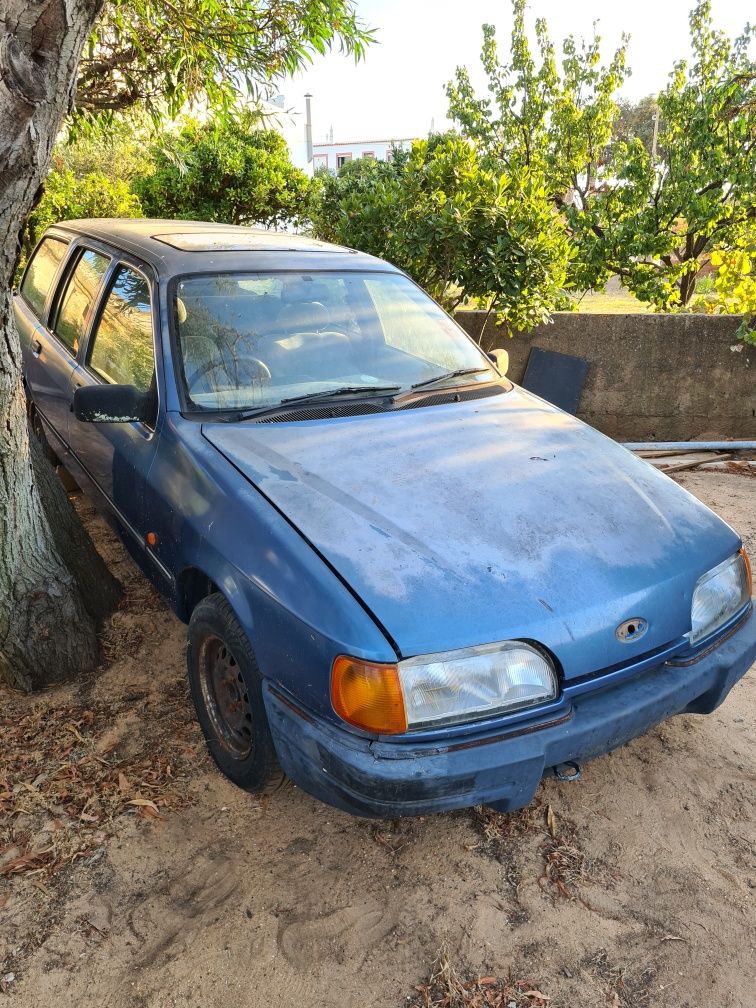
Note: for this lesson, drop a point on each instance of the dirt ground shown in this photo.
(133, 874)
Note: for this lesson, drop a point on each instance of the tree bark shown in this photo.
(100, 591)
(687, 283)
(47, 631)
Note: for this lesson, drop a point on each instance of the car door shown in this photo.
(120, 350)
(70, 316)
(48, 363)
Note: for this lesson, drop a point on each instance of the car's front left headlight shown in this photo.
(448, 688)
(480, 682)
(718, 596)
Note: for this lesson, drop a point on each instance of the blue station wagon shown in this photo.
(412, 584)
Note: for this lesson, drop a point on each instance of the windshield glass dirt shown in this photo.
(256, 339)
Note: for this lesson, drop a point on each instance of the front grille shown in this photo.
(620, 671)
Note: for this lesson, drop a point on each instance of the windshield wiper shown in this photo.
(449, 374)
(311, 397)
(343, 390)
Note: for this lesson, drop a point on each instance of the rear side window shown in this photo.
(80, 294)
(122, 352)
(41, 272)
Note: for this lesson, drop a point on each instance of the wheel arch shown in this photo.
(192, 585)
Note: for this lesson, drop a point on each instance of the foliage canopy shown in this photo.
(458, 228)
(734, 284)
(161, 54)
(226, 170)
(559, 122)
(652, 221)
(657, 222)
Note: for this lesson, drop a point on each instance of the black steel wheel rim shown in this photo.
(225, 696)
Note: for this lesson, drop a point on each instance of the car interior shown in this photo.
(288, 336)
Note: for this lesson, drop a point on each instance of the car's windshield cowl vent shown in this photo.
(328, 411)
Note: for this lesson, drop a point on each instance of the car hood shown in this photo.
(501, 518)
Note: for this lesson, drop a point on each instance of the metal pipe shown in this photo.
(690, 446)
(308, 127)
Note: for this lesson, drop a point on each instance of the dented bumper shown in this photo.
(384, 779)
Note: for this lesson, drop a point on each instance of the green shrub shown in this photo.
(68, 197)
(462, 231)
(228, 171)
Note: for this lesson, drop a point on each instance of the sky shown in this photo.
(398, 90)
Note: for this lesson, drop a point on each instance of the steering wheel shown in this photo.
(263, 370)
(228, 347)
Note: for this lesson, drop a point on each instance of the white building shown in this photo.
(334, 155)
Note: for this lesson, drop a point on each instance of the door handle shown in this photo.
(36, 348)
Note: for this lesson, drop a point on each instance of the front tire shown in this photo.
(226, 687)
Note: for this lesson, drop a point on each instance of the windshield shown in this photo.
(257, 339)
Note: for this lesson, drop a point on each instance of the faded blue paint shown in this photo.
(404, 533)
(502, 769)
(488, 520)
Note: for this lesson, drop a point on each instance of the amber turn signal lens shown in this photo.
(747, 565)
(368, 695)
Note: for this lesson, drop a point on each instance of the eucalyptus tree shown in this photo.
(86, 60)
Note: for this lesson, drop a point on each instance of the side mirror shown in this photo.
(111, 404)
(500, 359)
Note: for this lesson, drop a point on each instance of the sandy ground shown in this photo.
(133, 874)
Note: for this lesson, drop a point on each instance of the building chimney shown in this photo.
(308, 127)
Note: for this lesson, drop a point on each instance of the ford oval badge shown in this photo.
(631, 630)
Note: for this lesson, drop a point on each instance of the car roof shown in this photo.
(176, 247)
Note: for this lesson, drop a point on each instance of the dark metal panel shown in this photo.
(556, 377)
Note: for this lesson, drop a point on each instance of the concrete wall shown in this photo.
(651, 377)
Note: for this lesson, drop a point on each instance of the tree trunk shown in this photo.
(687, 283)
(687, 287)
(47, 631)
(100, 591)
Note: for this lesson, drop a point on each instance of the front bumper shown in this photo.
(380, 779)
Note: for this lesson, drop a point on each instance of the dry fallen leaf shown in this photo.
(144, 803)
(123, 783)
(551, 820)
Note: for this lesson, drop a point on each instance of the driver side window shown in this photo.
(122, 350)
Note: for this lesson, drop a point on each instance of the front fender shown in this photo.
(298, 614)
